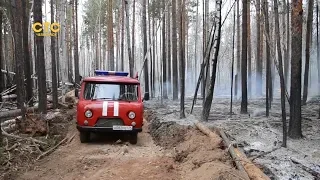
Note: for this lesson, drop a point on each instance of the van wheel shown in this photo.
(84, 137)
(133, 139)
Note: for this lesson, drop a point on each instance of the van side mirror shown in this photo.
(142, 99)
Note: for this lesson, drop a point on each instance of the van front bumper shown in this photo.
(105, 129)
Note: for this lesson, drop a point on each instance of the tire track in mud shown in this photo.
(165, 150)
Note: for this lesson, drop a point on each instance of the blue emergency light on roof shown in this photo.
(106, 73)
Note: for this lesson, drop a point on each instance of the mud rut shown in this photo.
(165, 151)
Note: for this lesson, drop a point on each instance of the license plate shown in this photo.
(122, 128)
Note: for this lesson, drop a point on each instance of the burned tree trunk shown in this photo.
(244, 60)
(1, 61)
(174, 51)
(41, 73)
(308, 44)
(145, 49)
(232, 63)
(296, 63)
(133, 30)
(27, 59)
(76, 52)
(249, 50)
(164, 56)
(259, 51)
(268, 62)
(122, 34)
(53, 64)
(282, 83)
(110, 36)
(182, 59)
(318, 50)
(16, 25)
(238, 50)
(131, 65)
(209, 96)
(169, 73)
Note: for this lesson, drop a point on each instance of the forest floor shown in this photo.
(172, 148)
(261, 136)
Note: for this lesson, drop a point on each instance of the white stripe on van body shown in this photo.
(105, 108)
(116, 109)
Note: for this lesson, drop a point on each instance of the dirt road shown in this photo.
(169, 152)
(105, 159)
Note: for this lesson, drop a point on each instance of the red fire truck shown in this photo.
(110, 102)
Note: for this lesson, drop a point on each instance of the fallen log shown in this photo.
(11, 96)
(253, 171)
(206, 130)
(17, 112)
(8, 122)
(209, 133)
(231, 150)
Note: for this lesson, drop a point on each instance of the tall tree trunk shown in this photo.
(287, 55)
(69, 38)
(232, 63)
(209, 96)
(174, 52)
(249, 51)
(41, 68)
(164, 56)
(152, 65)
(318, 50)
(53, 64)
(285, 47)
(169, 73)
(131, 64)
(76, 52)
(145, 50)
(27, 64)
(268, 63)
(150, 27)
(296, 63)
(244, 101)
(1, 64)
(308, 44)
(1, 75)
(259, 50)
(110, 36)
(133, 30)
(16, 25)
(122, 34)
(237, 86)
(196, 42)
(182, 58)
(282, 84)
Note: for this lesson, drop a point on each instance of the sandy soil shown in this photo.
(165, 151)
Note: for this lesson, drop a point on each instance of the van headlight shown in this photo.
(131, 115)
(88, 114)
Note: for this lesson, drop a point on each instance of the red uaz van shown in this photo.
(110, 102)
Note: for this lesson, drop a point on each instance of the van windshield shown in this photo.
(115, 92)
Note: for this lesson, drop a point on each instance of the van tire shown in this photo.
(133, 139)
(84, 137)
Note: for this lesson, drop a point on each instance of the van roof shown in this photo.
(112, 79)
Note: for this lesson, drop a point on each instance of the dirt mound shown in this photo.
(197, 156)
(33, 137)
(165, 134)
